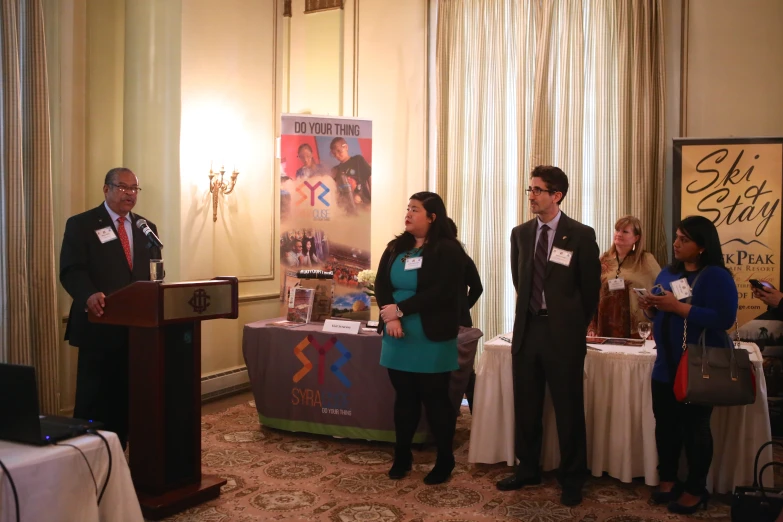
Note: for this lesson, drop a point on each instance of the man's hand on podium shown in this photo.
(96, 304)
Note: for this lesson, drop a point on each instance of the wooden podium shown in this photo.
(164, 321)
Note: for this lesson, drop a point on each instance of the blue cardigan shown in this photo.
(713, 306)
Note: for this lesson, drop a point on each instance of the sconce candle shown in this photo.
(218, 186)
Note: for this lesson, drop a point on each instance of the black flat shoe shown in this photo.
(676, 507)
(515, 482)
(400, 468)
(440, 473)
(571, 497)
(664, 497)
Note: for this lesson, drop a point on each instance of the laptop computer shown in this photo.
(20, 419)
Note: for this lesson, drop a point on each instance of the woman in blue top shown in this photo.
(712, 307)
(417, 289)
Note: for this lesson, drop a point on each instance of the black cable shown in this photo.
(95, 482)
(13, 488)
(108, 473)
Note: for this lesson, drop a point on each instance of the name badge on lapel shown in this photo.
(106, 234)
(561, 257)
(413, 263)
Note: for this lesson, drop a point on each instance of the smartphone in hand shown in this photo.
(657, 290)
(755, 283)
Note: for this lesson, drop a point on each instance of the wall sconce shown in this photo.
(218, 186)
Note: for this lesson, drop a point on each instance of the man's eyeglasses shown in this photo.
(126, 189)
(538, 190)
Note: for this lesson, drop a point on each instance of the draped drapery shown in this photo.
(573, 83)
(28, 311)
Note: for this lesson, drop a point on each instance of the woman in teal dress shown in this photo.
(417, 289)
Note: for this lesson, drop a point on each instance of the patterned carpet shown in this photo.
(275, 475)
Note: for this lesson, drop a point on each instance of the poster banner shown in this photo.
(325, 205)
(736, 183)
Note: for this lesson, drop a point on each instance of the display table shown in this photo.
(619, 418)
(304, 379)
(54, 483)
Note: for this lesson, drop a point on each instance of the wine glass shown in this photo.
(644, 333)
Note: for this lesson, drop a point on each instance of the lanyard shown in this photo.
(619, 263)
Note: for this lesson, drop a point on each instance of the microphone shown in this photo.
(142, 225)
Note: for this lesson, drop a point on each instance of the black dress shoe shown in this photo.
(571, 496)
(664, 497)
(441, 472)
(516, 482)
(400, 468)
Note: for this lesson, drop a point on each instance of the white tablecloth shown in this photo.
(619, 418)
(54, 483)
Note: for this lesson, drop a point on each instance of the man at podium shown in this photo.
(103, 250)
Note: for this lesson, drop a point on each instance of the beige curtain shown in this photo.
(577, 84)
(28, 312)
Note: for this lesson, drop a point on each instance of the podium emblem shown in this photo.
(199, 301)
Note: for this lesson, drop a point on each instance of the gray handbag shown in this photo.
(715, 375)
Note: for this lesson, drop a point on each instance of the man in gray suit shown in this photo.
(557, 275)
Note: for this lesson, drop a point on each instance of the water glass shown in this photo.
(156, 270)
(644, 332)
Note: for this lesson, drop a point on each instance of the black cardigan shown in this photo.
(437, 298)
(470, 292)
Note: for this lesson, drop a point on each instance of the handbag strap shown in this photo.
(685, 326)
(756, 478)
(737, 341)
(761, 473)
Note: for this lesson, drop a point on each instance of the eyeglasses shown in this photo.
(126, 189)
(538, 190)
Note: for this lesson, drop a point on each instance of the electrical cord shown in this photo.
(108, 473)
(13, 488)
(77, 448)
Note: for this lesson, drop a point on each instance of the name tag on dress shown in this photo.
(561, 257)
(617, 283)
(681, 289)
(413, 263)
(106, 234)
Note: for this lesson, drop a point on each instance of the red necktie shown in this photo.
(124, 240)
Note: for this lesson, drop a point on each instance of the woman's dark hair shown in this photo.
(701, 231)
(439, 228)
(304, 146)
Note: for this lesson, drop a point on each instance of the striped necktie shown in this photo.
(539, 268)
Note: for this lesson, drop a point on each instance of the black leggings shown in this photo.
(432, 389)
(677, 425)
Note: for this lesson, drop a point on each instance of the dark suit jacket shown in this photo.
(571, 291)
(88, 266)
(437, 292)
(470, 291)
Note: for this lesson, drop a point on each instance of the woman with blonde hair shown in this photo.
(624, 266)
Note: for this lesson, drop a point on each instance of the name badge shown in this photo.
(681, 289)
(561, 257)
(106, 234)
(413, 263)
(617, 284)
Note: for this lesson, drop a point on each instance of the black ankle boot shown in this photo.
(401, 466)
(441, 472)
